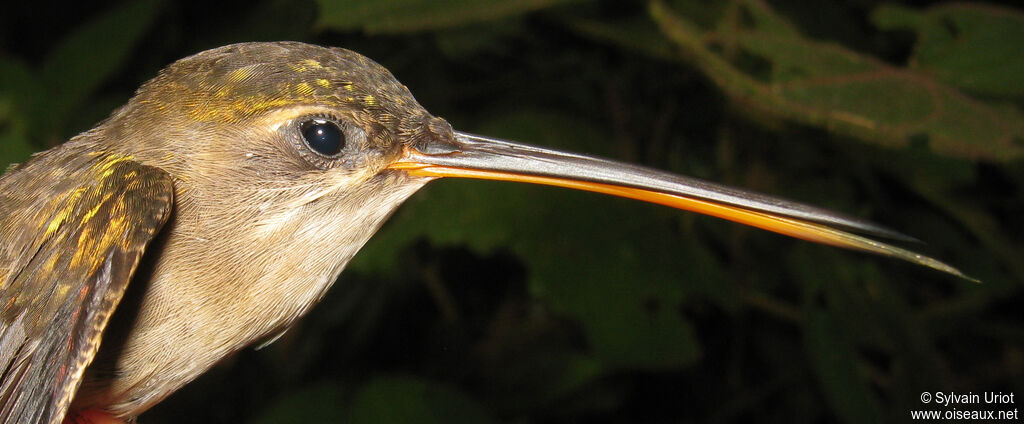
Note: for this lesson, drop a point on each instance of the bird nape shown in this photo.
(255, 171)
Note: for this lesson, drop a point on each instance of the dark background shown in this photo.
(496, 302)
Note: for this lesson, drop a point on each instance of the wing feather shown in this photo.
(75, 227)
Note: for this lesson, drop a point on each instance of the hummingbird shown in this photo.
(231, 191)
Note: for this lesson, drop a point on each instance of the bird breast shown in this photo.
(221, 284)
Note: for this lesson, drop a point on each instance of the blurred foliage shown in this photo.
(964, 45)
(402, 16)
(491, 302)
(765, 65)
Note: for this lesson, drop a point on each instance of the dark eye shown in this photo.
(323, 136)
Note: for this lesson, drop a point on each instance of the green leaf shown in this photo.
(979, 48)
(16, 87)
(635, 36)
(14, 146)
(91, 54)
(412, 400)
(833, 88)
(835, 365)
(396, 16)
(762, 18)
(268, 20)
(865, 312)
(316, 404)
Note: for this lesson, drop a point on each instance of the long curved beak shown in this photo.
(473, 156)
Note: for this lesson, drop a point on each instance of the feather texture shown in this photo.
(72, 245)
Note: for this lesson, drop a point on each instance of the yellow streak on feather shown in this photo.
(63, 213)
(232, 110)
(61, 289)
(240, 74)
(92, 212)
(107, 167)
(303, 89)
(312, 64)
(118, 222)
(86, 242)
(51, 264)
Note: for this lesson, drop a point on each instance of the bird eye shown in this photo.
(323, 136)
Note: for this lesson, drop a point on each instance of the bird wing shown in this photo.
(73, 228)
